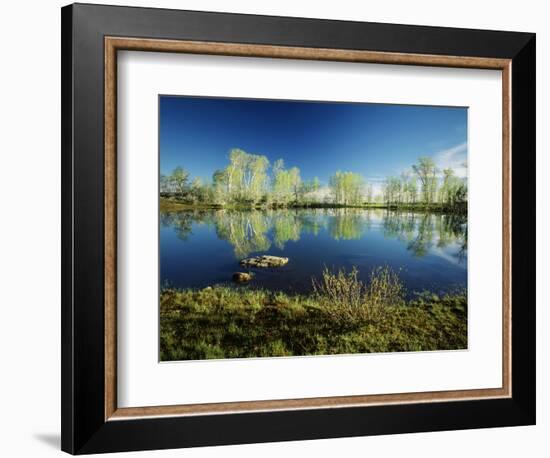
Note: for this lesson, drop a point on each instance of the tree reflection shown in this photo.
(348, 224)
(182, 222)
(399, 225)
(423, 231)
(423, 240)
(245, 231)
(256, 230)
(286, 226)
(313, 223)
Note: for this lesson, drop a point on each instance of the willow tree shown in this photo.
(295, 182)
(255, 177)
(314, 185)
(446, 191)
(279, 188)
(198, 192)
(393, 190)
(245, 177)
(427, 174)
(220, 194)
(412, 191)
(286, 183)
(234, 172)
(347, 188)
(179, 180)
(453, 189)
(408, 187)
(308, 190)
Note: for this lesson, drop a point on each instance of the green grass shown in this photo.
(240, 322)
(170, 205)
(167, 205)
(173, 204)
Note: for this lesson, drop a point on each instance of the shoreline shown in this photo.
(170, 204)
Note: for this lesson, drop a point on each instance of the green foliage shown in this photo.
(426, 171)
(246, 176)
(176, 183)
(286, 184)
(448, 193)
(347, 188)
(240, 322)
(250, 181)
(392, 190)
(453, 189)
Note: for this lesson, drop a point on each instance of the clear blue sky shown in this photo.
(320, 138)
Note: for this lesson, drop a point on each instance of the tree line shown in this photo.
(250, 179)
(425, 184)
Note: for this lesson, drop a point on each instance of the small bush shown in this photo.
(348, 300)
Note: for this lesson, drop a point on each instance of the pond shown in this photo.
(201, 248)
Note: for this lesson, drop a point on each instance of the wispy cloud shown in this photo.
(454, 158)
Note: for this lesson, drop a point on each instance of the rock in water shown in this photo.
(242, 277)
(264, 261)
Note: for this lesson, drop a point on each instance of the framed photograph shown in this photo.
(281, 228)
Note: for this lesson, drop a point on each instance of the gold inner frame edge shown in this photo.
(114, 44)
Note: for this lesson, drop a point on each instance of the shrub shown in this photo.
(348, 300)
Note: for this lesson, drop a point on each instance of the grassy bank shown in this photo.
(226, 322)
(172, 204)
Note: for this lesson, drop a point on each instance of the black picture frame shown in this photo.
(84, 428)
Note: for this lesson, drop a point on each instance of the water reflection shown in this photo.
(256, 231)
(348, 224)
(180, 221)
(286, 226)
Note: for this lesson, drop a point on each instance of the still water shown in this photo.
(203, 248)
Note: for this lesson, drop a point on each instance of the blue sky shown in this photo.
(376, 140)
